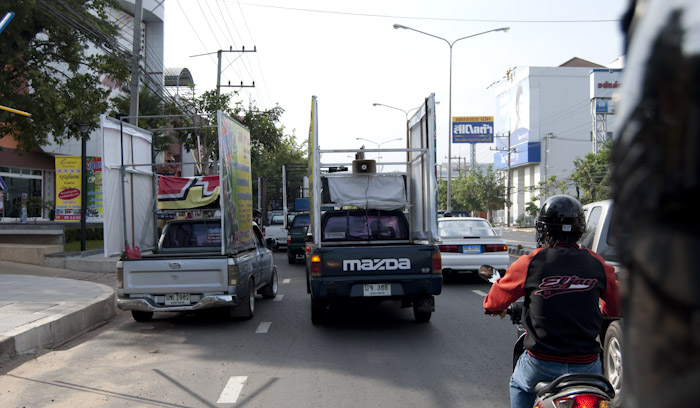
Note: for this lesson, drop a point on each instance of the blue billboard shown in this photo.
(472, 129)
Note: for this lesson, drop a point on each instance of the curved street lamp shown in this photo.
(449, 126)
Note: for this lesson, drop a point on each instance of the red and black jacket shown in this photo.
(562, 314)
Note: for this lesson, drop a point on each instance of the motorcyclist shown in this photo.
(562, 285)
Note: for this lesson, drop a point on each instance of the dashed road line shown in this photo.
(286, 280)
(263, 328)
(233, 389)
(480, 293)
(278, 298)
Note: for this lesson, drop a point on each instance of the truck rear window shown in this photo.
(364, 227)
(192, 235)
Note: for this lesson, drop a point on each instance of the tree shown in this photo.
(474, 191)
(592, 175)
(546, 188)
(150, 104)
(49, 73)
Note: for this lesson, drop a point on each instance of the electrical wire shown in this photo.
(428, 18)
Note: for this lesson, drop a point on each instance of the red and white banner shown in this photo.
(179, 193)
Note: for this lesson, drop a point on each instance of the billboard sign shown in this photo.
(236, 185)
(472, 129)
(604, 106)
(68, 188)
(605, 82)
(514, 115)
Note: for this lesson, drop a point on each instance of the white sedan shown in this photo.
(469, 242)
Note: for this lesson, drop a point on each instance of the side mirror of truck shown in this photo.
(489, 273)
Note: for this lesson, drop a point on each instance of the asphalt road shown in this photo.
(367, 357)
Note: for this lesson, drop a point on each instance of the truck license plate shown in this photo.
(377, 289)
(176, 299)
(471, 249)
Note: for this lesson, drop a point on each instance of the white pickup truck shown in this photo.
(276, 229)
(598, 239)
(187, 272)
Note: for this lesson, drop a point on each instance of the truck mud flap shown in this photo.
(424, 304)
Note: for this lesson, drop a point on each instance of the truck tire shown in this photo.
(421, 316)
(246, 309)
(140, 316)
(319, 311)
(292, 259)
(269, 291)
(612, 360)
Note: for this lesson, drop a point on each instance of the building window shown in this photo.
(21, 181)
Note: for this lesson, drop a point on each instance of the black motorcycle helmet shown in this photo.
(560, 221)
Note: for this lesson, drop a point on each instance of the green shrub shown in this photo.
(92, 233)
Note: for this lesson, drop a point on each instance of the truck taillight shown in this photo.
(307, 249)
(289, 239)
(437, 262)
(496, 248)
(315, 265)
(448, 248)
(233, 275)
(120, 275)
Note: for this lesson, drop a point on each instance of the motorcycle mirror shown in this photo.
(489, 273)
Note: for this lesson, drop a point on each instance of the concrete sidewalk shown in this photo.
(44, 307)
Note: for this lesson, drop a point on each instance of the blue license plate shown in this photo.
(471, 249)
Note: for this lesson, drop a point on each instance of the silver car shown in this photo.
(469, 242)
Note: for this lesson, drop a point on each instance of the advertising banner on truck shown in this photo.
(236, 187)
(176, 193)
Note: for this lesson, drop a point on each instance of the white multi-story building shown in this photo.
(550, 116)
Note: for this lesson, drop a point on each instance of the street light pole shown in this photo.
(449, 118)
(399, 109)
(83, 128)
(379, 145)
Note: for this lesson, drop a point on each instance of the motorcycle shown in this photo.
(573, 390)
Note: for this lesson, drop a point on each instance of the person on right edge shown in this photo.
(562, 314)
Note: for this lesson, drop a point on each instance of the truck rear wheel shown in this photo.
(319, 311)
(292, 259)
(246, 309)
(269, 291)
(140, 316)
(421, 316)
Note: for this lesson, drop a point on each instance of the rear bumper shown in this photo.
(470, 263)
(148, 304)
(296, 249)
(402, 286)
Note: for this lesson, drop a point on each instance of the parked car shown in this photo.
(469, 242)
(296, 236)
(598, 239)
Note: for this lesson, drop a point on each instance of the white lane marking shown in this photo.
(286, 280)
(263, 328)
(233, 389)
(278, 298)
(480, 293)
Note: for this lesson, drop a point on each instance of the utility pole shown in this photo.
(508, 178)
(218, 71)
(135, 64)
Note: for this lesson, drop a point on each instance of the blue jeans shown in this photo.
(529, 371)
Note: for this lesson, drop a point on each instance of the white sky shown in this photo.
(349, 55)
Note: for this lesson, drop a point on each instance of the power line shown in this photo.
(427, 18)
